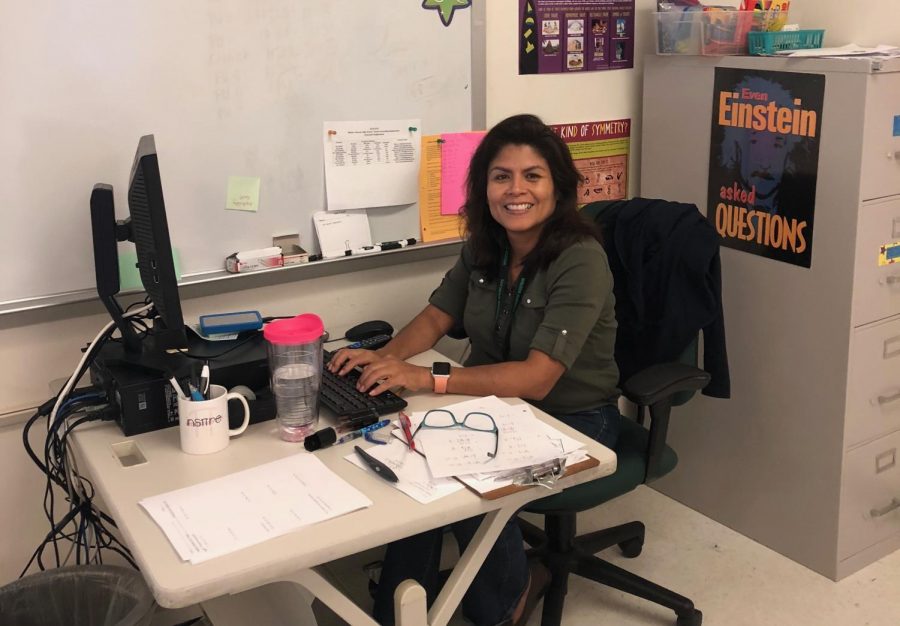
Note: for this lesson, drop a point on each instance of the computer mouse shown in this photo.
(368, 329)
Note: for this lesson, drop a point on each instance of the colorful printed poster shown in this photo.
(600, 152)
(763, 160)
(575, 35)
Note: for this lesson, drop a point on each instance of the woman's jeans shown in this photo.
(497, 588)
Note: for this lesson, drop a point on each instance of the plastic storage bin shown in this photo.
(770, 43)
(84, 595)
(692, 31)
(678, 32)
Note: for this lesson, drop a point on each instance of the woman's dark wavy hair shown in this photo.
(565, 226)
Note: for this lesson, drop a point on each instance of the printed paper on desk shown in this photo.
(338, 232)
(371, 164)
(415, 480)
(523, 440)
(245, 508)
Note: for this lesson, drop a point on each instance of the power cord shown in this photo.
(83, 532)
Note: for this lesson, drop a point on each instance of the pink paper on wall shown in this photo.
(456, 152)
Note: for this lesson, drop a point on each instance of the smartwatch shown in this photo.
(440, 373)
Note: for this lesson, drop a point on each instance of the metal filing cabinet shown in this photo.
(805, 456)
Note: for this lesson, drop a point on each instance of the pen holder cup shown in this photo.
(203, 424)
(294, 348)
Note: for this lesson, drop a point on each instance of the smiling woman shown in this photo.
(533, 291)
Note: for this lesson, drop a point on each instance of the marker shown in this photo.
(327, 436)
(177, 387)
(363, 250)
(400, 243)
(379, 247)
(204, 381)
(362, 431)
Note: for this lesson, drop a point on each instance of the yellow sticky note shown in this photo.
(243, 193)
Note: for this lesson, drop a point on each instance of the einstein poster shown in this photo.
(763, 158)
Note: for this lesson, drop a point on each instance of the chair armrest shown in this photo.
(655, 387)
(661, 381)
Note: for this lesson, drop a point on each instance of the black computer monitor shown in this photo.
(148, 228)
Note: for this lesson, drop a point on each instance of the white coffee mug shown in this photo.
(204, 423)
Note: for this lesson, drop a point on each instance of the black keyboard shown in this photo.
(339, 393)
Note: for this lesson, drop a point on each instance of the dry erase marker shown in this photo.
(393, 245)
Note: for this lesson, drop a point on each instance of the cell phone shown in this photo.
(221, 323)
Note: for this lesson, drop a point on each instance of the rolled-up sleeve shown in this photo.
(578, 283)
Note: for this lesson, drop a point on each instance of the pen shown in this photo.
(405, 425)
(196, 396)
(377, 466)
(362, 431)
(204, 381)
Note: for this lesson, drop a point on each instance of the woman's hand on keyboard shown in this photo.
(385, 373)
(346, 359)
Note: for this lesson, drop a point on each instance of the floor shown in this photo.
(733, 580)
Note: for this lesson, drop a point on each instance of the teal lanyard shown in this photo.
(503, 323)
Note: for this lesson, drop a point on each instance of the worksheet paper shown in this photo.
(432, 225)
(245, 508)
(371, 163)
(524, 440)
(339, 231)
(415, 479)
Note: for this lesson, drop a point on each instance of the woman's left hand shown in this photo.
(389, 372)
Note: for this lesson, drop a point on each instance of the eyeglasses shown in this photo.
(474, 420)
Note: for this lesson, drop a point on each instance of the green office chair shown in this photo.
(642, 453)
(642, 456)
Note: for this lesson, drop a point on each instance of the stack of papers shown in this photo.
(242, 509)
(458, 453)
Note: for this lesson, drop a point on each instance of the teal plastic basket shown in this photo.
(761, 43)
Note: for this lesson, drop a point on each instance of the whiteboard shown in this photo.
(228, 88)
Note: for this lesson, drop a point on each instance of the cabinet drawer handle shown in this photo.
(888, 352)
(893, 506)
(888, 399)
(890, 280)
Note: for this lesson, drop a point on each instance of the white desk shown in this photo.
(296, 556)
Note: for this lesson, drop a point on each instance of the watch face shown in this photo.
(440, 368)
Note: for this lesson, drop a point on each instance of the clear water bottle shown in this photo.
(295, 365)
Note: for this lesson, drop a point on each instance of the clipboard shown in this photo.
(509, 489)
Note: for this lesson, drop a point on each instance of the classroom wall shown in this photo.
(866, 23)
(562, 98)
(36, 348)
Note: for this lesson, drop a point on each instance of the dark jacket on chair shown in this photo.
(668, 254)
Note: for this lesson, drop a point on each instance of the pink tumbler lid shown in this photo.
(304, 328)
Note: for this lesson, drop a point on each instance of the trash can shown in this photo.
(82, 595)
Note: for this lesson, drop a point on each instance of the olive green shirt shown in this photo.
(565, 311)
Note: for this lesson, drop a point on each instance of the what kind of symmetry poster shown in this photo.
(600, 152)
(763, 159)
(575, 35)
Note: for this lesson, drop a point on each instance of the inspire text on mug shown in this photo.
(203, 425)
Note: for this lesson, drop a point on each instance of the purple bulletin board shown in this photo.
(575, 35)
